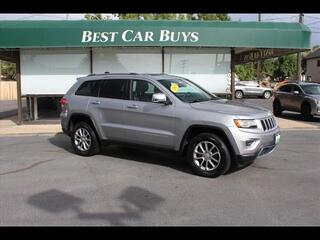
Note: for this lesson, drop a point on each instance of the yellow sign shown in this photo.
(174, 87)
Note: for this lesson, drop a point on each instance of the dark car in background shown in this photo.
(300, 97)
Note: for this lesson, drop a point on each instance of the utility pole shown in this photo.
(299, 54)
(259, 62)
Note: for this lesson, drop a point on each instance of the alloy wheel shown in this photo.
(82, 139)
(206, 155)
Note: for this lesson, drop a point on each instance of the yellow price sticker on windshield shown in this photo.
(174, 87)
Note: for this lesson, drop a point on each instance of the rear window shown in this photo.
(114, 88)
(88, 88)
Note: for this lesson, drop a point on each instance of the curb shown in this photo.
(31, 134)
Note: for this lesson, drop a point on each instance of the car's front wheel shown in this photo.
(84, 140)
(306, 112)
(208, 155)
(277, 109)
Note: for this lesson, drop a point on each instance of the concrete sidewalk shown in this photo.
(8, 127)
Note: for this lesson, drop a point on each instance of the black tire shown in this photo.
(238, 94)
(277, 109)
(267, 94)
(225, 160)
(93, 148)
(306, 112)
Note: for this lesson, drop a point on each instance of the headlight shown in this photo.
(245, 123)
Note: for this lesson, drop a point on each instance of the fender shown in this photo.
(224, 133)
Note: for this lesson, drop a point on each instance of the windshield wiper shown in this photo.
(197, 100)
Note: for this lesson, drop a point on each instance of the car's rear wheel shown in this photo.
(267, 94)
(84, 140)
(277, 109)
(208, 155)
(306, 111)
(239, 94)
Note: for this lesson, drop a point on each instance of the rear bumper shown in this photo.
(64, 123)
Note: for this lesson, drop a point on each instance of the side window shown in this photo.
(142, 91)
(285, 88)
(88, 88)
(114, 88)
(295, 88)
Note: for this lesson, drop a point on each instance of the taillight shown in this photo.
(63, 101)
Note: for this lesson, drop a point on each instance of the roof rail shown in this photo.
(120, 73)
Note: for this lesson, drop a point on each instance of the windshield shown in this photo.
(311, 89)
(187, 91)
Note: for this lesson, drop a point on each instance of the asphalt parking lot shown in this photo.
(43, 183)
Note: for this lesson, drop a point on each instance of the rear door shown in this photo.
(147, 122)
(108, 109)
(253, 90)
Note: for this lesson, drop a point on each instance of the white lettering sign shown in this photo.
(139, 36)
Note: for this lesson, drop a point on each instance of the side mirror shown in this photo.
(296, 93)
(159, 98)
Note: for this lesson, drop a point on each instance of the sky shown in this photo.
(311, 20)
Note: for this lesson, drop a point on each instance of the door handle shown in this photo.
(96, 102)
(133, 106)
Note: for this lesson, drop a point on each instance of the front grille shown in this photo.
(268, 123)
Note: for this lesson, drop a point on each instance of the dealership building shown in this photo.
(51, 55)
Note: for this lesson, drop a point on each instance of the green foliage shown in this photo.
(213, 17)
(147, 16)
(281, 67)
(8, 70)
(268, 67)
(245, 71)
(286, 66)
(163, 16)
(173, 16)
(95, 16)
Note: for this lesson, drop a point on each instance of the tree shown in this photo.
(95, 16)
(173, 16)
(8, 70)
(245, 71)
(268, 67)
(286, 66)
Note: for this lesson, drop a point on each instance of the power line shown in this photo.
(281, 18)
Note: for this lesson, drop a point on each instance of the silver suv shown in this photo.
(167, 112)
(245, 89)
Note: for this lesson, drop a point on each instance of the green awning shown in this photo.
(84, 33)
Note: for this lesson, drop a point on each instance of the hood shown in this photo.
(314, 96)
(231, 107)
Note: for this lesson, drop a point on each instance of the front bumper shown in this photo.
(254, 145)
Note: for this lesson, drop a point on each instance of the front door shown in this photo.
(149, 123)
(296, 99)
